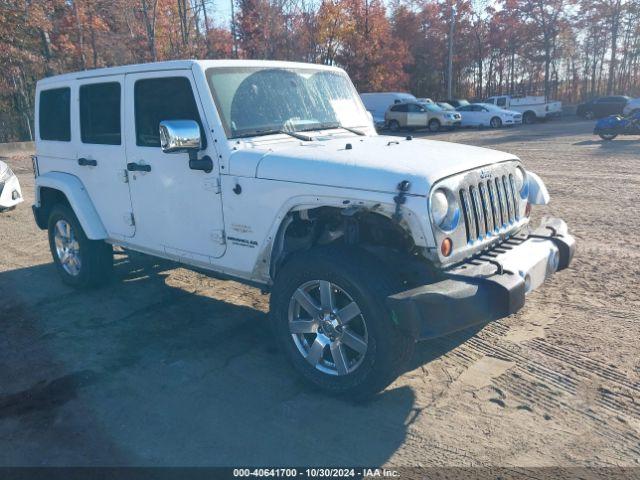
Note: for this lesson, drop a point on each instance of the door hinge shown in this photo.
(124, 176)
(130, 219)
(213, 186)
(218, 237)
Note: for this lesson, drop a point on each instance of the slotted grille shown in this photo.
(489, 206)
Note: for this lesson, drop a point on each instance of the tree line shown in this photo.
(566, 49)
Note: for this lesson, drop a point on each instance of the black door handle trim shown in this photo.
(205, 164)
(137, 167)
(85, 162)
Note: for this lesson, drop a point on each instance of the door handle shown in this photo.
(205, 164)
(138, 167)
(85, 162)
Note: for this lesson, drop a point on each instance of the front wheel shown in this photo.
(529, 118)
(496, 122)
(329, 316)
(608, 136)
(80, 262)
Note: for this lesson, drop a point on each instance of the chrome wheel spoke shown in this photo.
(348, 313)
(326, 295)
(303, 326)
(307, 303)
(339, 358)
(354, 341)
(61, 230)
(317, 349)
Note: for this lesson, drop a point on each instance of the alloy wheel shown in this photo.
(67, 248)
(327, 327)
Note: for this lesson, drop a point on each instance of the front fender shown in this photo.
(78, 199)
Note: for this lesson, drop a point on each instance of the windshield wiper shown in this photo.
(327, 126)
(259, 133)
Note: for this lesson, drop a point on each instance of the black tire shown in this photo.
(434, 125)
(96, 256)
(529, 118)
(495, 122)
(394, 125)
(608, 136)
(368, 283)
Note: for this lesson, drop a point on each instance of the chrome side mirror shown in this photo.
(179, 136)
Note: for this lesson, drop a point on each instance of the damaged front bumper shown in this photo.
(488, 287)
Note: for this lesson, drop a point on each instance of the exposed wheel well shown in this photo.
(361, 228)
(49, 197)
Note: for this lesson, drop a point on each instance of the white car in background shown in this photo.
(487, 115)
(10, 193)
(632, 106)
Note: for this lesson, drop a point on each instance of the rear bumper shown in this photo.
(487, 288)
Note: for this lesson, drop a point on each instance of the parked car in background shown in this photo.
(487, 115)
(425, 100)
(446, 106)
(632, 106)
(378, 103)
(457, 102)
(420, 115)
(10, 192)
(610, 127)
(603, 107)
(532, 107)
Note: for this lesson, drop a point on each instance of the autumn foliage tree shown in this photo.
(567, 49)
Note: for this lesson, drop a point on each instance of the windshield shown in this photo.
(258, 101)
(490, 107)
(431, 107)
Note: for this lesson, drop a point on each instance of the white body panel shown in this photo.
(481, 116)
(182, 214)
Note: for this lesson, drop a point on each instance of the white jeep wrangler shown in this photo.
(272, 174)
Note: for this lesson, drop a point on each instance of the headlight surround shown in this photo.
(444, 208)
(522, 185)
(6, 175)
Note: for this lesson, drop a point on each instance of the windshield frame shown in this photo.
(230, 135)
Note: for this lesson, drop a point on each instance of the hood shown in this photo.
(376, 163)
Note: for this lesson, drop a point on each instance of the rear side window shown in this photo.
(158, 99)
(400, 108)
(54, 115)
(100, 113)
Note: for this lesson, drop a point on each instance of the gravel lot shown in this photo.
(167, 367)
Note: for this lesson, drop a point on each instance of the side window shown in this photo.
(501, 102)
(490, 100)
(413, 108)
(465, 108)
(158, 99)
(55, 114)
(100, 113)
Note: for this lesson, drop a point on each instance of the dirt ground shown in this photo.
(167, 367)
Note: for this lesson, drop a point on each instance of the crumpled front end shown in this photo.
(487, 287)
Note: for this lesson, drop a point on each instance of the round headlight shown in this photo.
(444, 209)
(439, 206)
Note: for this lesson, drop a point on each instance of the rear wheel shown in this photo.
(394, 125)
(496, 122)
(529, 118)
(608, 136)
(434, 125)
(79, 261)
(329, 315)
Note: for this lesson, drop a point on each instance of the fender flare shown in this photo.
(78, 199)
(538, 193)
